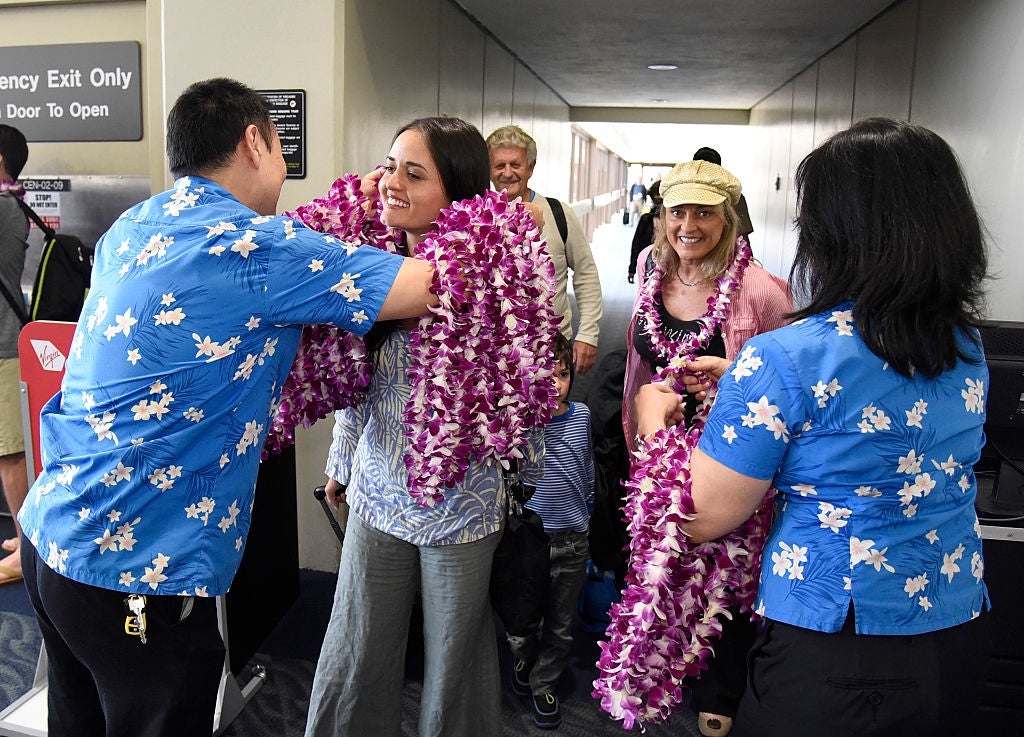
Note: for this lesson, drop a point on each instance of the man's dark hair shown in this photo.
(885, 219)
(459, 153)
(14, 149)
(708, 154)
(207, 122)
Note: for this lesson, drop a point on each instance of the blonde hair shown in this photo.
(715, 262)
(514, 136)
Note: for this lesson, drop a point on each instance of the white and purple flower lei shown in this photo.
(675, 353)
(480, 364)
(15, 188)
(662, 630)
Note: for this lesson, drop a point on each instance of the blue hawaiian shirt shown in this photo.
(151, 448)
(875, 478)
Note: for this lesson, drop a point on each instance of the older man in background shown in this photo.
(513, 157)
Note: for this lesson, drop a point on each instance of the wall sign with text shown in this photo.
(288, 111)
(73, 92)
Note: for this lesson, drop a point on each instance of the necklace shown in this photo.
(674, 353)
(688, 284)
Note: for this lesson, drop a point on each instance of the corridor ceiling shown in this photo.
(730, 54)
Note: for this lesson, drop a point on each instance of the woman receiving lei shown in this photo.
(432, 412)
(700, 299)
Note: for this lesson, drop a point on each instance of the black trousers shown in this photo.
(801, 682)
(106, 683)
(720, 687)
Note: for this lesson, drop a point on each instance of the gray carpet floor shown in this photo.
(278, 708)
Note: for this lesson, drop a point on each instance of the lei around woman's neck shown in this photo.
(675, 353)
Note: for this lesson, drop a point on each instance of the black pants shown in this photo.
(802, 682)
(106, 683)
(720, 687)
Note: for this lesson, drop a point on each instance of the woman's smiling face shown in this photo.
(693, 231)
(410, 189)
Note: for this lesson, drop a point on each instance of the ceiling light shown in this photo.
(659, 99)
(662, 67)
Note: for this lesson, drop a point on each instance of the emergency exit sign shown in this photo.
(73, 92)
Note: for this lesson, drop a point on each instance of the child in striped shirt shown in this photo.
(564, 500)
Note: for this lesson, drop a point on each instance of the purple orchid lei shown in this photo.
(662, 631)
(480, 362)
(15, 188)
(675, 353)
(331, 369)
(481, 365)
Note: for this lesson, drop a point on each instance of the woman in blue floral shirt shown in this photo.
(866, 416)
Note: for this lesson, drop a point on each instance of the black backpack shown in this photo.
(559, 213)
(65, 270)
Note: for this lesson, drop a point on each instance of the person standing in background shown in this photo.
(645, 229)
(743, 225)
(681, 277)
(564, 500)
(513, 157)
(637, 199)
(13, 242)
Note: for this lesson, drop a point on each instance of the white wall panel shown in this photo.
(773, 119)
(833, 107)
(524, 95)
(499, 78)
(461, 67)
(967, 88)
(951, 66)
(391, 52)
(800, 143)
(308, 66)
(553, 114)
(885, 64)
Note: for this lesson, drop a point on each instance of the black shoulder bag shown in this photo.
(65, 271)
(521, 571)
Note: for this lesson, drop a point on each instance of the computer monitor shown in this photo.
(1000, 471)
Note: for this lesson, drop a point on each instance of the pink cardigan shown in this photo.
(760, 305)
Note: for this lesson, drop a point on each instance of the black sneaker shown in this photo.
(521, 677)
(545, 711)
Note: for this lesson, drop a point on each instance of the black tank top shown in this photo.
(673, 329)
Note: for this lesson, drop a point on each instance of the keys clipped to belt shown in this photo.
(135, 623)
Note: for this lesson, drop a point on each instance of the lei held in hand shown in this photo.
(663, 629)
(480, 363)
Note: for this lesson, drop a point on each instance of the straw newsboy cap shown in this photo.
(699, 183)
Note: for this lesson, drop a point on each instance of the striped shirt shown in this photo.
(565, 494)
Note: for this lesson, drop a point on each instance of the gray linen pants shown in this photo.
(357, 690)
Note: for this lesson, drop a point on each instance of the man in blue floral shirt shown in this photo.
(152, 448)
